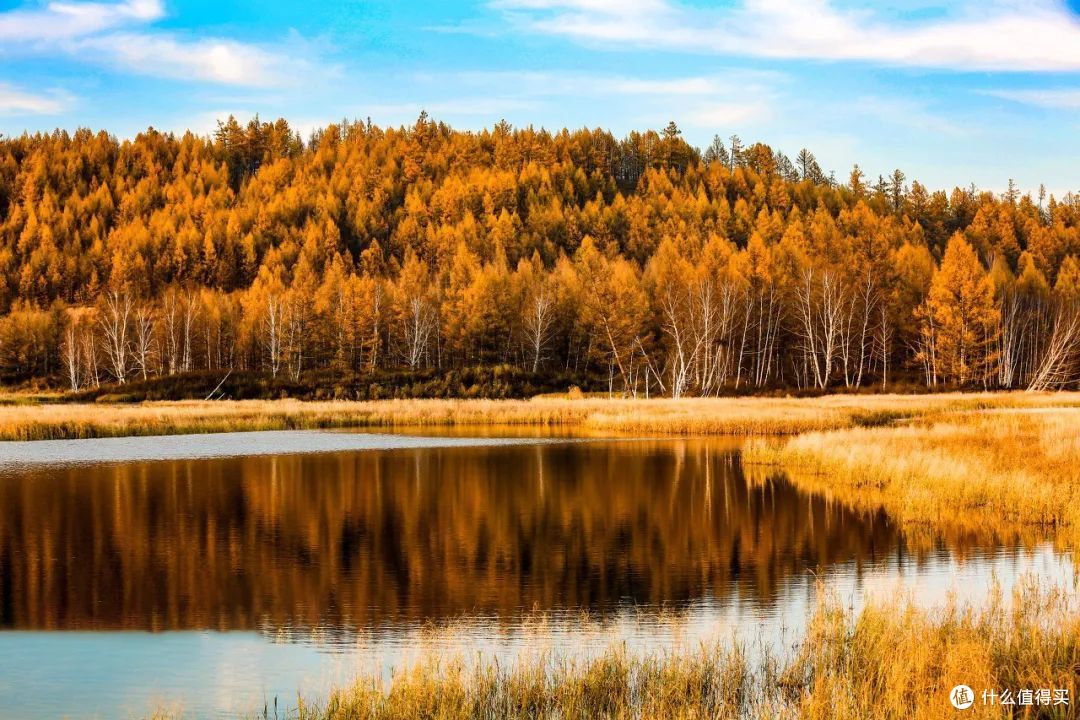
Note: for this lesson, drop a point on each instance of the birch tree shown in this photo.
(538, 299)
(417, 315)
(145, 343)
(115, 323)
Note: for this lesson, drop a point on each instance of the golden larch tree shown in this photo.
(960, 318)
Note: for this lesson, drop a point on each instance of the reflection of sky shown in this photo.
(118, 674)
(53, 453)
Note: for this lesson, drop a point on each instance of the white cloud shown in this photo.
(1066, 99)
(546, 84)
(470, 107)
(14, 101)
(910, 113)
(611, 7)
(209, 59)
(1036, 35)
(68, 20)
(120, 34)
(732, 114)
(727, 98)
(672, 86)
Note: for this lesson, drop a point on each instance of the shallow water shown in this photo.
(14, 455)
(220, 583)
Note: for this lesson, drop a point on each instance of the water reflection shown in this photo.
(367, 539)
(326, 566)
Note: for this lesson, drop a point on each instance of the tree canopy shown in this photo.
(640, 261)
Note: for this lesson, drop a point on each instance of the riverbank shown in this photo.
(892, 659)
(719, 416)
(998, 470)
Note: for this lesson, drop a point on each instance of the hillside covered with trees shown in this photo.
(645, 266)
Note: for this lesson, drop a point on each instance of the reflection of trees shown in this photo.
(406, 535)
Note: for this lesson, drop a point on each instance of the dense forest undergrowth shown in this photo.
(422, 261)
(488, 381)
(498, 381)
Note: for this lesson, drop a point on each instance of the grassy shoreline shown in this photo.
(720, 416)
(995, 471)
(892, 659)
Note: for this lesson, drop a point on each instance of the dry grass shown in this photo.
(998, 470)
(894, 660)
(725, 416)
(891, 660)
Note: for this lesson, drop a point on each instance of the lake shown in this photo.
(187, 578)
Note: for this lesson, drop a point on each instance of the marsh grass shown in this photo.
(1000, 470)
(892, 659)
(718, 416)
(895, 660)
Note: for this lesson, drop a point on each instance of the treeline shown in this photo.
(642, 265)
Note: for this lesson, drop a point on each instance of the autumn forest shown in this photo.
(641, 266)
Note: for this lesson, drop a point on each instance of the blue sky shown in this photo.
(952, 93)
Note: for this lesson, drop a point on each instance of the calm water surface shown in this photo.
(218, 584)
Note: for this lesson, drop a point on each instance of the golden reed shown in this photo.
(714, 416)
(890, 660)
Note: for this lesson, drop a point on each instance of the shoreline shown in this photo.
(691, 416)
